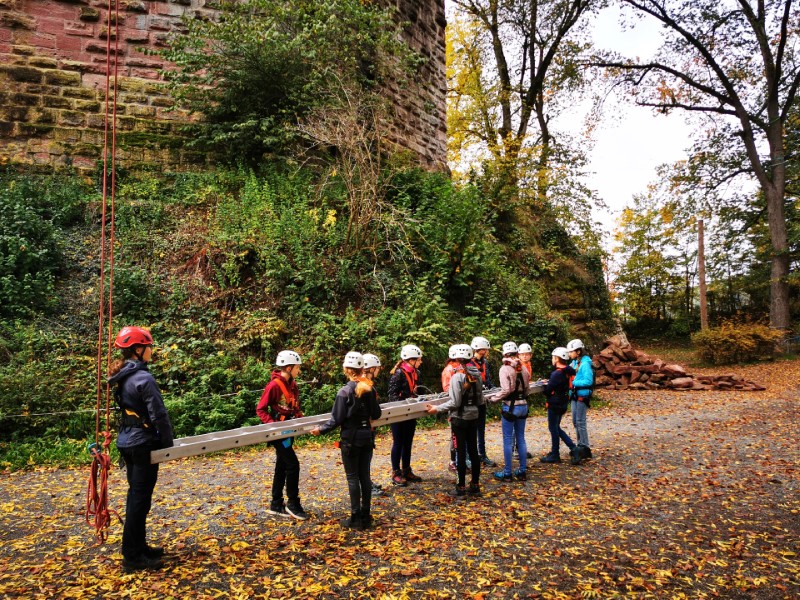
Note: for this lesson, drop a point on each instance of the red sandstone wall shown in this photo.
(53, 82)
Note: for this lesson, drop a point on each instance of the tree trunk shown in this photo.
(701, 273)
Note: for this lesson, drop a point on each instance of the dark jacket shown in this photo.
(399, 388)
(355, 406)
(145, 421)
(556, 391)
(274, 406)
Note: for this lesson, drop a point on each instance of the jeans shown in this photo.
(287, 473)
(466, 436)
(515, 431)
(402, 438)
(356, 461)
(142, 477)
(579, 422)
(554, 425)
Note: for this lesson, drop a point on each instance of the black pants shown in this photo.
(466, 434)
(481, 430)
(357, 461)
(402, 438)
(142, 477)
(287, 474)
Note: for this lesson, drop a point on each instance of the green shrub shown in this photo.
(734, 343)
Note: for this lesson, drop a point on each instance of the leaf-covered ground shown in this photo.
(690, 495)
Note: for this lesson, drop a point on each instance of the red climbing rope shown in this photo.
(97, 512)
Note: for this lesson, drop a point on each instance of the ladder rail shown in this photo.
(392, 412)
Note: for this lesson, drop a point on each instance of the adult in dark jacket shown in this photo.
(556, 393)
(354, 409)
(144, 426)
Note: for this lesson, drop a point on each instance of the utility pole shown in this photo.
(701, 273)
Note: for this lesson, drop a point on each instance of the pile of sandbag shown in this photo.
(620, 366)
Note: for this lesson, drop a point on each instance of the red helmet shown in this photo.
(133, 336)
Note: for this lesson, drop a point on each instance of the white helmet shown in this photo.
(480, 343)
(510, 348)
(525, 348)
(288, 357)
(575, 345)
(370, 361)
(460, 351)
(561, 353)
(353, 360)
(410, 351)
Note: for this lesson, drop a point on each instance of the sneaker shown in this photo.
(279, 511)
(575, 455)
(296, 512)
(411, 476)
(501, 476)
(452, 466)
(529, 455)
(488, 462)
(460, 491)
(377, 491)
(520, 475)
(469, 465)
(550, 458)
(474, 489)
(586, 452)
(398, 479)
(129, 565)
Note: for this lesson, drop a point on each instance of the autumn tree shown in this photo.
(734, 62)
(508, 62)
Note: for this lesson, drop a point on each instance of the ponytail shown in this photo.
(127, 354)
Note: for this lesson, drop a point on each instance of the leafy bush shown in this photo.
(733, 343)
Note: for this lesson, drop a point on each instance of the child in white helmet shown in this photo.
(280, 401)
(581, 387)
(453, 366)
(514, 382)
(465, 390)
(480, 346)
(556, 393)
(402, 385)
(354, 409)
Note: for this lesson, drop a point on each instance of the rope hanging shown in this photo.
(98, 514)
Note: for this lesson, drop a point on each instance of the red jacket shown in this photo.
(274, 404)
(450, 369)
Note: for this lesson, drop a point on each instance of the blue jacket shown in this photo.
(584, 378)
(138, 394)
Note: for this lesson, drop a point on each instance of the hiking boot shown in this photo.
(139, 563)
(367, 521)
(452, 466)
(411, 476)
(529, 455)
(520, 475)
(460, 491)
(353, 522)
(153, 551)
(586, 452)
(377, 490)
(502, 476)
(474, 489)
(575, 455)
(279, 511)
(488, 462)
(296, 511)
(550, 458)
(398, 479)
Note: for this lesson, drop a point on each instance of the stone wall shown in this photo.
(53, 83)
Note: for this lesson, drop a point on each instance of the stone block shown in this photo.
(21, 99)
(88, 106)
(71, 118)
(145, 73)
(57, 102)
(17, 20)
(16, 113)
(70, 47)
(136, 6)
(90, 14)
(43, 62)
(136, 36)
(79, 92)
(95, 121)
(79, 29)
(23, 50)
(63, 134)
(160, 24)
(23, 73)
(130, 84)
(62, 78)
(92, 136)
(84, 149)
(98, 48)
